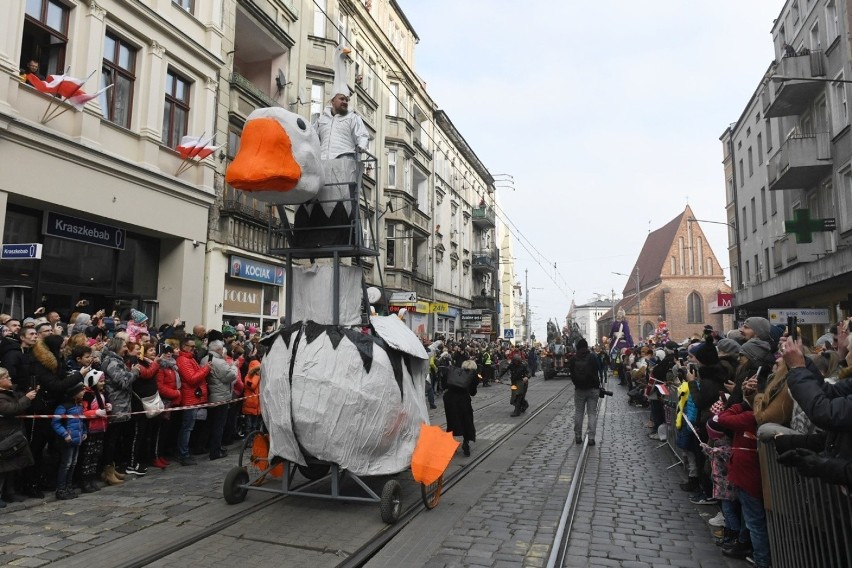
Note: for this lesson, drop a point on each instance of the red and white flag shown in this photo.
(62, 85)
(191, 146)
(80, 99)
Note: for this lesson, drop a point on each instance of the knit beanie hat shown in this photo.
(73, 391)
(756, 350)
(582, 344)
(138, 317)
(705, 352)
(737, 336)
(728, 346)
(760, 326)
(775, 333)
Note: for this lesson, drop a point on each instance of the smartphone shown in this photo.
(792, 325)
(757, 373)
(209, 357)
(693, 369)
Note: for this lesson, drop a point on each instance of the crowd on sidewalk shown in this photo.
(105, 397)
(758, 382)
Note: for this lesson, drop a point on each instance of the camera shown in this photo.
(602, 392)
(792, 327)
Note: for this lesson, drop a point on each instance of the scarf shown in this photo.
(171, 364)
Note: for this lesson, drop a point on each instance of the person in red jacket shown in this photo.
(251, 405)
(744, 475)
(168, 385)
(193, 391)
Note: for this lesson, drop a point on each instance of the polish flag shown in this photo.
(62, 85)
(207, 150)
(191, 146)
(664, 390)
(80, 99)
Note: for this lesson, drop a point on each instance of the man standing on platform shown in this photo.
(584, 373)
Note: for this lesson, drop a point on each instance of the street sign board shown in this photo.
(83, 230)
(21, 251)
(805, 316)
(403, 298)
(724, 300)
(509, 333)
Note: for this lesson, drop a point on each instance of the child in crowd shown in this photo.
(251, 390)
(718, 450)
(95, 408)
(72, 433)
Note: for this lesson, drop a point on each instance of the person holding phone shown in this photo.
(220, 383)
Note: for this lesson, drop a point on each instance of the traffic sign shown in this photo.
(509, 334)
(21, 251)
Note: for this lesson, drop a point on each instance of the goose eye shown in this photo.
(301, 124)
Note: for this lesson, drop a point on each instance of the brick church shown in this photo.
(679, 278)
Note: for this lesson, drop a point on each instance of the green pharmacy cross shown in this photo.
(803, 226)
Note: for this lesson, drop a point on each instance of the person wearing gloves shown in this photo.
(827, 455)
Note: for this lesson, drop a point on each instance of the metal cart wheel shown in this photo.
(314, 471)
(234, 488)
(391, 503)
(431, 494)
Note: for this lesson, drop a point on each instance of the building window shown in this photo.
(838, 105)
(709, 267)
(747, 279)
(317, 98)
(391, 169)
(745, 224)
(694, 310)
(750, 162)
(763, 204)
(188, 5)
(45, 35)
(118, 70)
(768, 134)
(390, 234)
(773, 202)
(759, 149)
(406, 175)
(673, 266)
(319, 17)
(176, 113)
(845, 191)
(766, 263)
(832, 26)
(742, 174)
(753, 216)
(393, 101)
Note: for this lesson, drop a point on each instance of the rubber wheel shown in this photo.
(314, 471)
(391, 504)
(431, 494)
(234, 488)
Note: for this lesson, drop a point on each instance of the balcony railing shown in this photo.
(483, 217)
(487, 302)
(793, 96)
(801, 162)
(484, 260)
(242, 84)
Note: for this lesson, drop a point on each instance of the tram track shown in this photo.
(370, 548)
(373, 546)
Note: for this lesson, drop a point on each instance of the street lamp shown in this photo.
(638, 302)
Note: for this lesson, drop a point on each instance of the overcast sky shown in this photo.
(607, 114)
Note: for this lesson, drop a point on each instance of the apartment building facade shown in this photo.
(788, 172)
(97, 188)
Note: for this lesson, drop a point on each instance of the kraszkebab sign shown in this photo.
(83, 230)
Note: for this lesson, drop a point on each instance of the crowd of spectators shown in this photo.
(758, 382)
(105, 397)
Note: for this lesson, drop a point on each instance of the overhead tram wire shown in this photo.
(519, 236)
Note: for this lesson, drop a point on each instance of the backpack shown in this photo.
(583, 373)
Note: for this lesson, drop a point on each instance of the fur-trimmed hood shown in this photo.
(42, 353)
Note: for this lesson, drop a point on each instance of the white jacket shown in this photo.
(340, 134)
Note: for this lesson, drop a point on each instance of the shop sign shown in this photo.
(248, 269)
(471, 315)
(403, 298)
(454, 312)
(22, 251)
(242, 298)
(74, 229)
(439, 308)
(424, 308)
(724, 300)
(806, 316)
(395, 308)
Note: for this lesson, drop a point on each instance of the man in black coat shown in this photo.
(584, 372)
(520, 377)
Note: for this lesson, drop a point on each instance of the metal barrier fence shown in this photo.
(670, 408)
(809, 521)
